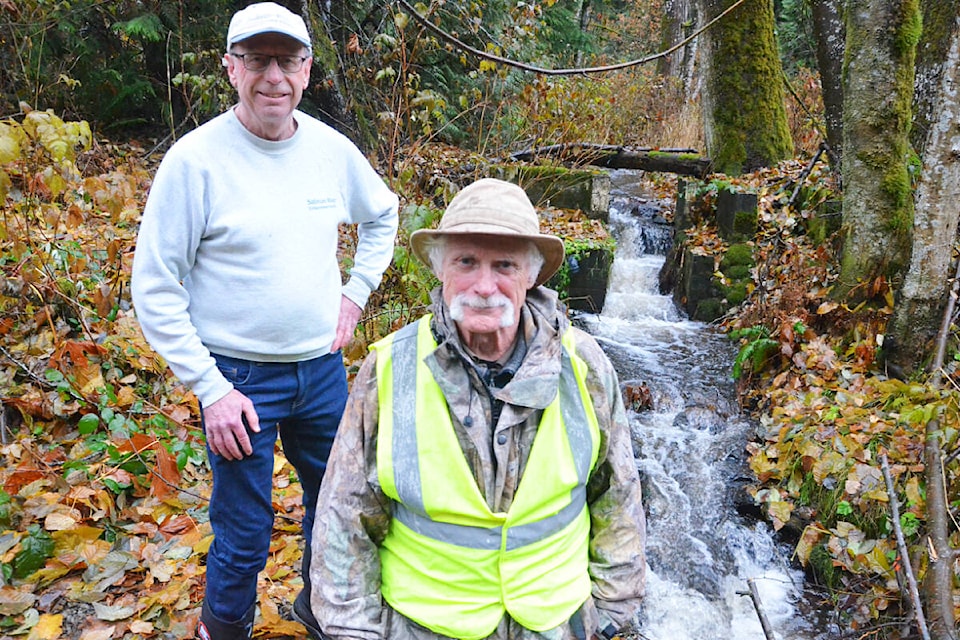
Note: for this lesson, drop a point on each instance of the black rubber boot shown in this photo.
(211, 627)
(302, 612)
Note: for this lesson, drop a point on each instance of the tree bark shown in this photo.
(918, 311)
(741, 59)
(938, 20)
(679, 16)
(830, 34)
(326, 95)
(881, 43)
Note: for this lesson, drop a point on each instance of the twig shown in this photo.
(806, 172)
(758, 605)
(944, 332)
(902, 549)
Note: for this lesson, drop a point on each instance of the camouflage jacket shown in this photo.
(353, 513)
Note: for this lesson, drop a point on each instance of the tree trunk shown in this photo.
(741, 58)
(919, 308)
(829, 32)
(938, 20)
(881, 44)
(679, 16)
(583, 18)
(325, 97)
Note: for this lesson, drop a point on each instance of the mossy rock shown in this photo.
(735, 293)
(709, 309)
(737, 255)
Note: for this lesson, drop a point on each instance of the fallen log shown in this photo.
(687, 162)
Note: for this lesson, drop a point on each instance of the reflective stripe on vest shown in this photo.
(508, 548)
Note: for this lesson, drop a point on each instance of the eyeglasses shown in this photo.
(259, 62)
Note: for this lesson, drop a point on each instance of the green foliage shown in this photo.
(110, 63)
(35, 548)
(756, 349)
(795, 34)
(147, 28)
(6, 510)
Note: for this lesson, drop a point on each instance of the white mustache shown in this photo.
(497, 300)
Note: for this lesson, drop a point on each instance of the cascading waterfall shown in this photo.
(690, 449)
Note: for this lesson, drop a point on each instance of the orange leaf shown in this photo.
(166, 474)
(177, 525)
(75, 216)
(136, 442)
(20, 478)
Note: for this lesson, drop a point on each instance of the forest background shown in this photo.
(848, 347)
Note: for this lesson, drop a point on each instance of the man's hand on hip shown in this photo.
(225, 422)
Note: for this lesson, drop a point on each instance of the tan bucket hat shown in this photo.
(494, 208)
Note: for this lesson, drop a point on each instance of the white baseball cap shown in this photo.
(266, 17)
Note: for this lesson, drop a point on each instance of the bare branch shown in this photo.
(902, 549)
(557, 72)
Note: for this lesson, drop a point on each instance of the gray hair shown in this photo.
(435, 248)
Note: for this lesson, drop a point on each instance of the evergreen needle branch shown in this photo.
(902, 549)
(423, 20)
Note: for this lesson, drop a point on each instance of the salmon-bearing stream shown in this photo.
(702, 551)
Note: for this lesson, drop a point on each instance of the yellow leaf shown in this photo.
(808, 541)
(5, 184)
(203, 545)
(779, 511)
(826, 307)
(914, 497)
(9, 145)
(273, 624)
(49, 627)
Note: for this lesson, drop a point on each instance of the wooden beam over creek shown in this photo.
(685, 162)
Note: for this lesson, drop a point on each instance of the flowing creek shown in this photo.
(701, 551)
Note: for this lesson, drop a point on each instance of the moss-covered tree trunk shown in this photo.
(744, 117)
(881, 46)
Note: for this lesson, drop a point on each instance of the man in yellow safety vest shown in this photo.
(482, 483)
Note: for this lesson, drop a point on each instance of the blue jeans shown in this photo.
(304, 402)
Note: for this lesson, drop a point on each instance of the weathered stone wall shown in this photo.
(707, 286)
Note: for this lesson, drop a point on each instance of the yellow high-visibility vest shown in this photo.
(448, 562)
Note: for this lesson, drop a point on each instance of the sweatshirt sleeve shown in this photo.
(373, 208)
(170, 232)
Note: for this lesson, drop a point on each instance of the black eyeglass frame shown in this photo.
(286, 58)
